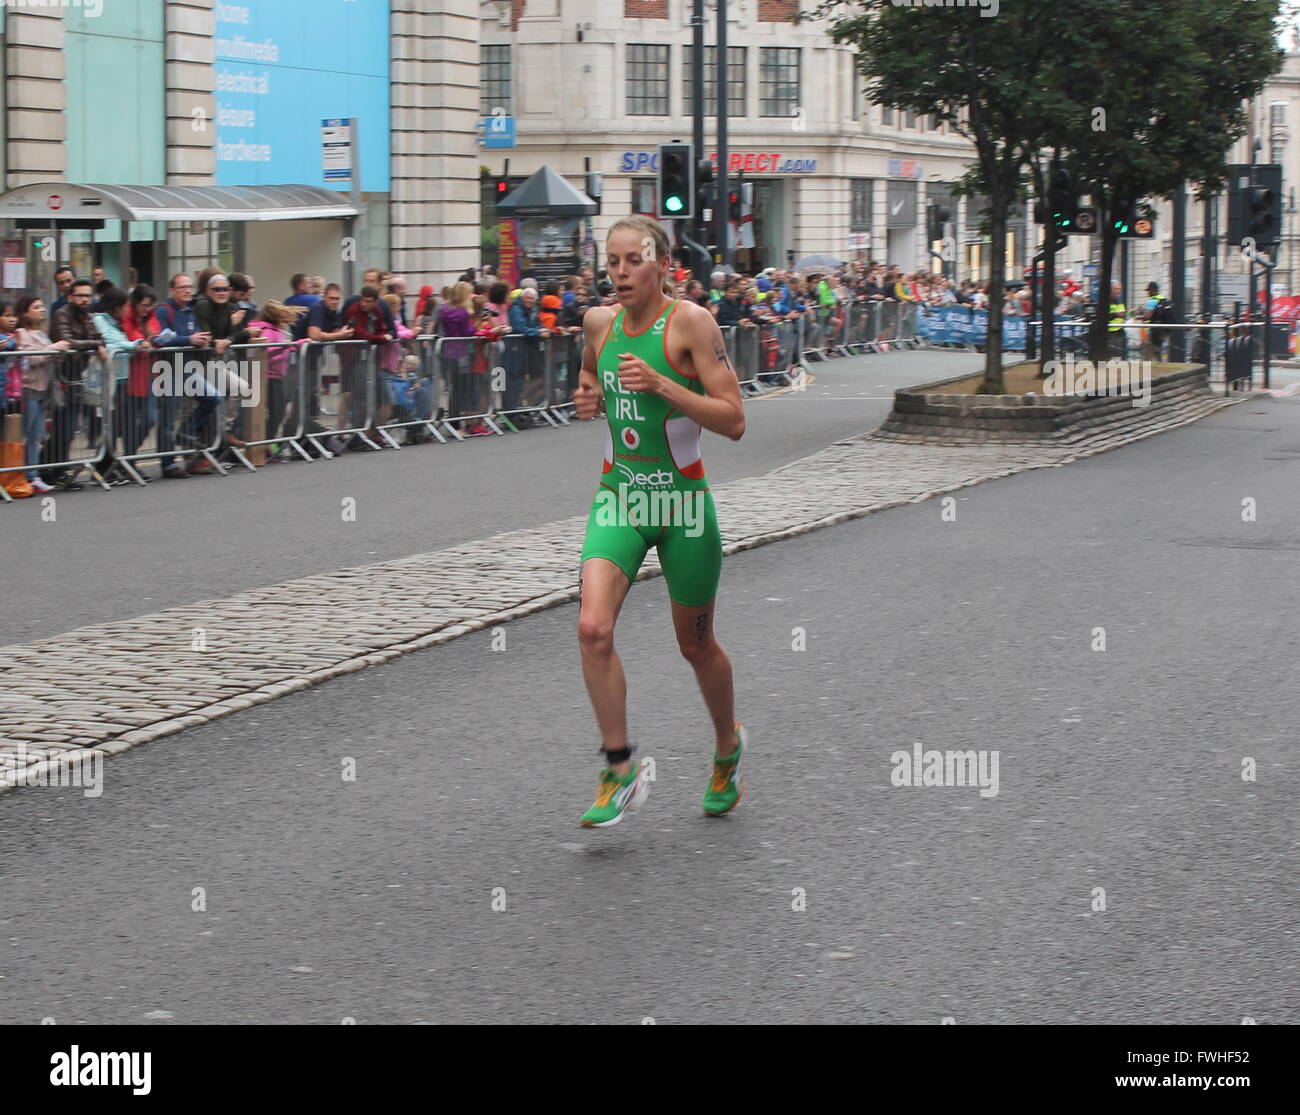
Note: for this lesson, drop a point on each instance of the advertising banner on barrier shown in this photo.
(960, 325)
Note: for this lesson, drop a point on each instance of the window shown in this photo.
(887, 116)
(860, 205)
(935, 122)
(909, 120)
(855, 95)
(647, 79)
(778, 80)
(736, 76)
(494, 79)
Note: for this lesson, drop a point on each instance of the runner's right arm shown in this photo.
(595, 324)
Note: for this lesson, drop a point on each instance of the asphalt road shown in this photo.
(1118, 769)
(114, 555)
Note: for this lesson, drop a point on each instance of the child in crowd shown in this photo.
(276, 322)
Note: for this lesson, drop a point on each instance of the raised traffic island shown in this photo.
(1079, 402)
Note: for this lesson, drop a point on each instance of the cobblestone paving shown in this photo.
(222, 656)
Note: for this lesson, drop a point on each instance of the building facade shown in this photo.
(234, 93)
(598, 86)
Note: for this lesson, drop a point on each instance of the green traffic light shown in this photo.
(674, 204)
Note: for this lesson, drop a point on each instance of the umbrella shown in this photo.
(827, 261)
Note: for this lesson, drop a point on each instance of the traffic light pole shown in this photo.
(1178, 280)
(698, 233)
(720, 208)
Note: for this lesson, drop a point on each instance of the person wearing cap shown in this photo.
(1154, 347)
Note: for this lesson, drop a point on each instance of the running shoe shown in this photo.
(726, 786)
(618, 794)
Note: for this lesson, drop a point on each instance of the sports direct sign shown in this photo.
(738, 162)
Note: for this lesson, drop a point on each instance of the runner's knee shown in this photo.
(596, 634)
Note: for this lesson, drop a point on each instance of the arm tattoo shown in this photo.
(720, 354)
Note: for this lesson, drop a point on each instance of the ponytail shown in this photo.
(670, 287)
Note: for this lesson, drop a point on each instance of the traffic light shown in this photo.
(500, 188)
(1144, 225)
(1123, 215)
(1062, 199)
(1261, 220)
(704, 189)
(936, 216)
(676, 181)
(733, 206)
(1254, 203)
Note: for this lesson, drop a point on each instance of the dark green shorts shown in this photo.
(622, 528)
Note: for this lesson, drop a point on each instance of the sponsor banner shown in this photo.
(960, 325)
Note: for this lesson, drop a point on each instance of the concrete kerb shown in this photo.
(466, 626)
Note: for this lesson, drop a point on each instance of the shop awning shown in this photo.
(72, 201)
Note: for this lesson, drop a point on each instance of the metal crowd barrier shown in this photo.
(462, 372)
(766, 354)
(1228, 349)
(66, 426)
(173, 405)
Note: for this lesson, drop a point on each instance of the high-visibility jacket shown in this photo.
(1117, 316)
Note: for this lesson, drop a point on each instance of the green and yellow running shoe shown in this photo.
(726, 786)
(618, 794)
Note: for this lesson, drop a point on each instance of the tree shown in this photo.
(977, 73)
(1164, 81)
(1165, 88)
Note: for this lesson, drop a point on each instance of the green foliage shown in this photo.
(1139, 98)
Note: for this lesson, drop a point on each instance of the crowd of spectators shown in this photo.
(96, 338)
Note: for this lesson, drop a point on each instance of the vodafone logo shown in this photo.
(55, 202)
(631, 438)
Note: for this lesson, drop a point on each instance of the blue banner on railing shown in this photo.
(960, 325)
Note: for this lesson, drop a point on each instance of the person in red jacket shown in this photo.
(369, 323)
(141, 406)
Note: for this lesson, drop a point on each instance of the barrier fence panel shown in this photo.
(341, 395)
(861, 325)
(907, 318)
(182, 403)
(528, 375)
(58, 417)
(564, 351)
(408, 391)
(888, 326)
(464, 373)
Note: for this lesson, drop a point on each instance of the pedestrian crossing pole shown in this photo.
(720, 214)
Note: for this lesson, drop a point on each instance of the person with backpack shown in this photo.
(1158, 311)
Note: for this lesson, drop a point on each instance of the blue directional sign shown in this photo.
(498, 131)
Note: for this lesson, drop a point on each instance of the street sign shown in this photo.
(1234, 288)
(1085, 221)
(337, 149)
(498, 131)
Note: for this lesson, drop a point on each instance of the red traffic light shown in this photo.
(502, 187)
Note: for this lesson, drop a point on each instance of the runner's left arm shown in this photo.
(720, 409)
